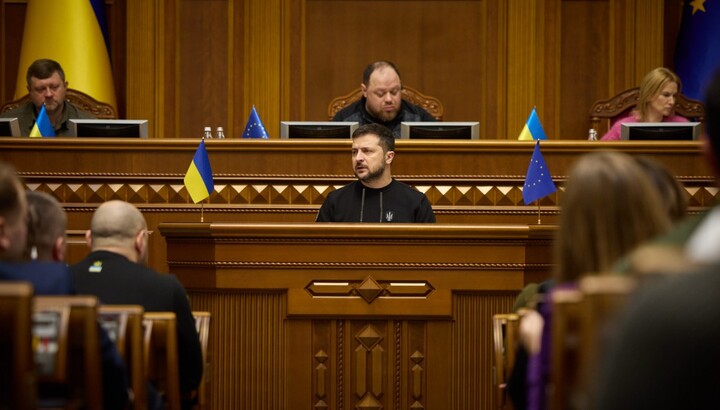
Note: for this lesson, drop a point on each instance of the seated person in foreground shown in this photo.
(115, 271)
(46, 85)
(376, 196)
(49, 277)
(382, 101)
(656, 102)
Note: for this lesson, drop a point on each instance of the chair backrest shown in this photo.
(505, 338)
(565, 346)
(202, 324)
(161, 356)
(430, 104)
(17, 374)
(65, 329)
(80, 99)
(620, 105)
(123, 324)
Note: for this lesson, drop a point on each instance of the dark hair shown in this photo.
(9, 192)
(44, 68)
(675, 198)
(46, 222)
(387, 139)
(712, 114)
(376, 66)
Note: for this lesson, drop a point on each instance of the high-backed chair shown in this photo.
(69, 324)
(161, 356)
(619, 106)
(430, 104)
(505, 339)
(17, 373)
(83, 101)
(123, 324)
(202, 324)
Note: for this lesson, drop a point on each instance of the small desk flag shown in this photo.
(697, 54)
(254, 127)
(538, 182)
(43, 127)
(532, 130)
(198, 179)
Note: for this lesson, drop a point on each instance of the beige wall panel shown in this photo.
(437, 45)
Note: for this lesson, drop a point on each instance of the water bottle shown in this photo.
(592, 135)
(219, 133)
(208, 133)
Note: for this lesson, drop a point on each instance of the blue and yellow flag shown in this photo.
(697, 54)
(198, 178)
(538, 181)
(68, 32)
(43, 127)
(532, 130)
(254, 127)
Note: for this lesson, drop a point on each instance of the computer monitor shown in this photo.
(9, 127)
(317, 129)
(440, 130)
(109, 128)
(660, 131)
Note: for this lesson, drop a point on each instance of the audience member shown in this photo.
(48, 278)
(672, 193)
(47, 223)
(656, 102)
(610, 206)
(115, 271)
(664, 354)
(382, 101)
(376, 196)
(46, 85)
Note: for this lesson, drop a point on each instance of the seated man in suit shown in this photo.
(382, 101)
(47, 223)
(46, 85)
(48, 278)
(115, 271)
(376, 196)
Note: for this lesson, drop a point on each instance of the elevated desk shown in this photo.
(467, 182)
(354, 315)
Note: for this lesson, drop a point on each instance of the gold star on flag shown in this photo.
(698, 5)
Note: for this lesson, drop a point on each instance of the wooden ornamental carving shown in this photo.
(369, 289)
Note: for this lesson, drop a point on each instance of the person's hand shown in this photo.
(531, 328)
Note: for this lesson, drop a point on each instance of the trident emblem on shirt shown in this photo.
(389, 216)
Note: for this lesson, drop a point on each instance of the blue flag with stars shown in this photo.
(538, 182)
(254, 127)
(697, 54)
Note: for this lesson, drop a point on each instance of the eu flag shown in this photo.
(538, 182)
(198, 178)
(533, 129)
(697, 52)
(43, 127)
(254, 127)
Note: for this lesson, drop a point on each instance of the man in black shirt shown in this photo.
(375, 196)
(382, 101)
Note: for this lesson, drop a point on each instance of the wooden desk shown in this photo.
(353, 314)
(467, 182)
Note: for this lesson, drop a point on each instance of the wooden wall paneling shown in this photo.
(12, 13)
(550, 17)
(649, 34)
(202, 39)
(143, 78)
(263, 57)
(495, 104)
(523, 92)
(295, 42)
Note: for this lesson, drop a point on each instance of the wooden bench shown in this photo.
(17, 373)
(160, 347)
(202, 324)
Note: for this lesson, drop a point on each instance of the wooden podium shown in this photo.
(353, 316)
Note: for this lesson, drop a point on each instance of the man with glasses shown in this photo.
(115, 272)
(46, 85)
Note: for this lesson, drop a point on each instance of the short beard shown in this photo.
(372, 176)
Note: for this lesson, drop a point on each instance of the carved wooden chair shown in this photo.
(161, 356)
(430, 104)
(505, 339)
(621, 104)
(202, 324)
(67, 352)
(123, 324)
(83, 101)
(17, 374)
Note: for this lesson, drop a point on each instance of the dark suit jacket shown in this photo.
(51, 278)
(116, 280)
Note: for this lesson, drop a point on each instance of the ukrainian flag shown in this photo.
(198, 178)
(532, 130)
(68, 32)
(43, 127)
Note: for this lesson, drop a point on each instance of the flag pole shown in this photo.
(202, 209)
(537, 201)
